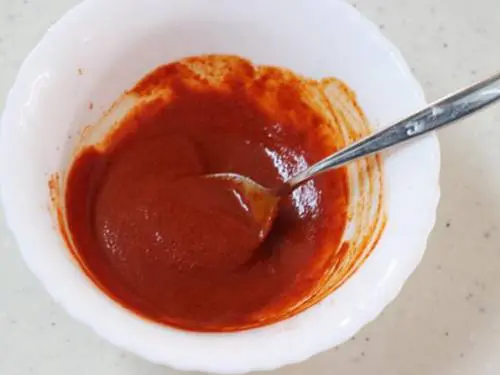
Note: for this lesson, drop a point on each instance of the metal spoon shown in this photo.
(262, 202)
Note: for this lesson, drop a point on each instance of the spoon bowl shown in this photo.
(260, 202)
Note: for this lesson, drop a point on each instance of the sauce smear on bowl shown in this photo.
(181, 249)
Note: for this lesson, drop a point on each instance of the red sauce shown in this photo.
(180, 249)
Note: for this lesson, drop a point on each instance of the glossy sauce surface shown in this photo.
(180, 249)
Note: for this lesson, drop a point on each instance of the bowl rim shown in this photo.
(360, 318)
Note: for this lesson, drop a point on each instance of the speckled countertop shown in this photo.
(447, 319)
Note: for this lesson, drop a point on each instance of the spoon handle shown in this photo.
(443, 112)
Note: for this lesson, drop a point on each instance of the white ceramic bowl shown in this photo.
(103, 47)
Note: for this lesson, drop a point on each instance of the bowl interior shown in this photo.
(99, 49)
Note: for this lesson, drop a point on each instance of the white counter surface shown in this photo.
(446, 320)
